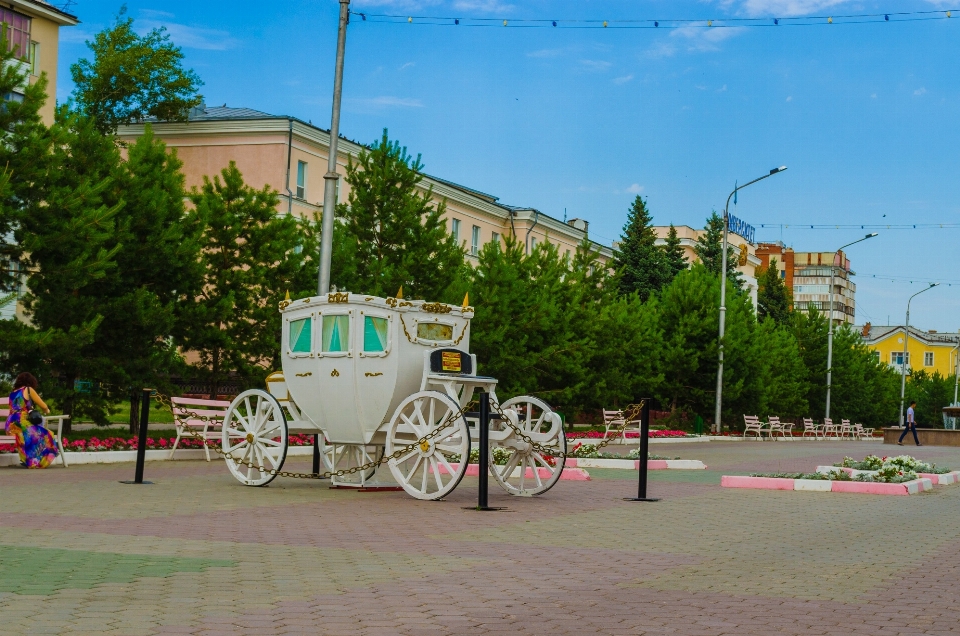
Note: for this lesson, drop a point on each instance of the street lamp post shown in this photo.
(833, 271)
(331, 178)
(723, 291)
(906, 338)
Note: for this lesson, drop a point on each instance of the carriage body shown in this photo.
(350, 359)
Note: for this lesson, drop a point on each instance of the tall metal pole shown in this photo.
(956, 373)
(833, 270)
(906, 338)
(723, 293)
(331, 178)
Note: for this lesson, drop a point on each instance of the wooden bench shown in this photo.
(613, 420)
(187, 413)
(48, 422)
(751, 424)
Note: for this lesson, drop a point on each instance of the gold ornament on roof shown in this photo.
(338, 297)
(436, 308)
(285, 302)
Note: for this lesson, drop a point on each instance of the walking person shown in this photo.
(911, 426)
(35, 443)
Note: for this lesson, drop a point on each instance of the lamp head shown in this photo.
(871, 235)
(776, 170)
(934, 284)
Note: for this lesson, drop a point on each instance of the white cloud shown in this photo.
(873, 96)
(387, 101)
(544, 53)
(635, 188)
(475, 6)
(920, 91)
(73, 34)
(596, 65)
(483, 6)
(155, 13)
(407, 65)
(780, 8)
(191, 37)
(722, 89)
(789, 98)
(705, 38)
(623, 80)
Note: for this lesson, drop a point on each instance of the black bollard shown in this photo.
(483, 417)
(142, 438)
(316, 454)
(644, 454)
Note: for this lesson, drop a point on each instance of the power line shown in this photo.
(674, 23)
(860, 226)
(908, 279)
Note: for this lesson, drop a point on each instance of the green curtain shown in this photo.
(300, 335)
(374, 334)
(336, 333)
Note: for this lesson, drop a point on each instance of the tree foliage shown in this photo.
(709, 250)
(133, 77)
(392, 234)
(674, 256)
(641, 263)
(774, 298)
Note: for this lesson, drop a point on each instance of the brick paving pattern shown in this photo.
(197, 553)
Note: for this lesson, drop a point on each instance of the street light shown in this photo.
(906, 337)
(833, 271)
(723, 289)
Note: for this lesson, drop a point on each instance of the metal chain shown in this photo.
(179, 410)
(557, 452)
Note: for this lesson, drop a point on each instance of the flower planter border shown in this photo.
(116, 457)
(825, 485)
(938, 479)
(634, 464)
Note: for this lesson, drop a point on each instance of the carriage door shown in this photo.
(376, 369)
(300, 365)
(336, 352)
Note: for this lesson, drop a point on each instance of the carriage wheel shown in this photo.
(346, 456)
(255, 435)
(528, 472)
(433, 468)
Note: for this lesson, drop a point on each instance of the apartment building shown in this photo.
(33, 31)
(808, 275)
(291, 156)
(930, 351)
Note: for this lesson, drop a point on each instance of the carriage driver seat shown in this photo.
(444, 367)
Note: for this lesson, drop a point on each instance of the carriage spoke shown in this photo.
(414, 469)
(446, 464)
(436, 472)
(536, 473)
(404, 458)
(409, 422)
(538, 457)
(509, 466)
(423, 482)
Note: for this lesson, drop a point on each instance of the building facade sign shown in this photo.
(742, 229)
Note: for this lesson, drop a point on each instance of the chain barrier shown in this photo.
(397, 454)
(634, 411)
(557, 452)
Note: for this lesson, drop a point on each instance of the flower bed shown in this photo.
(589, 451)
(824, 483)
(904, 463)
(629, 435)
(95, 444)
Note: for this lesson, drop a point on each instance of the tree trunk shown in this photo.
(134, 412)
(68, 404)
(215, 376)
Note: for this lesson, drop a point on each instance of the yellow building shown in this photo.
(33, 30)
(927, 350)
(290, 155)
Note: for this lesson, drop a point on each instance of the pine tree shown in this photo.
(774, 299)
(675, 258)
(709, 250)
(250, 258)
(641, 264)
(393, 233)
(783, 386)
(133, 77)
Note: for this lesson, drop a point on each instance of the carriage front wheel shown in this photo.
(255, 437)
(431, 468)
(522, 469)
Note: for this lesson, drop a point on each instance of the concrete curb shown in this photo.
(116, 457)
(938, 479)
(826, 485)
(634, 464)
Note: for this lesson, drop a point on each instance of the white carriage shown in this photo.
(372, 375)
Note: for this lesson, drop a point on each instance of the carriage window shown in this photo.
(336, 334)
(434, 331)
(300, 335)
(374, 334)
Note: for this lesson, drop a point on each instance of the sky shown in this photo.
(578, 121)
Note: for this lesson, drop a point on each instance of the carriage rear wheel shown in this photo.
(527, 471)
(433, 467)
(255, 437)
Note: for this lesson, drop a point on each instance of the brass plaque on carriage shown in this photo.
(450, 361)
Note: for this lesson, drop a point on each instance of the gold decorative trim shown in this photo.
(303, 375)
(457, 341)
(372, 375)
(368, 298)
(436, 308)
(284, 304)
(392, 302)
(338, 297)
(405, 332)
(334, 374)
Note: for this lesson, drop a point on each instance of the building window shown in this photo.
(566, 255)
(897, 358)
(455, 230)
(495, 239)
(301, 179)
(34, 58)
(928, 359)
(17, 27)
(533, 243)
(475, 240)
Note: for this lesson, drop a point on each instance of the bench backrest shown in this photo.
(4, 408)
(773, 419)
(751, 419)
(827, 421)
(184, 409)
(612, 415)
(808, 422)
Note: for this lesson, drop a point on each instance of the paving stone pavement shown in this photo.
(197, 553)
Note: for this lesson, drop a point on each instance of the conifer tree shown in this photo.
(709, 250)
(674, 256)
(641, 264)
(393, 234)
(251, 257)
(774, 299)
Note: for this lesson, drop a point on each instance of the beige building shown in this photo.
(291, 156)
(33, 30)
(808, 275)
(746, 265)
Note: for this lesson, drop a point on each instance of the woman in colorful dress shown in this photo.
(34, 442)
